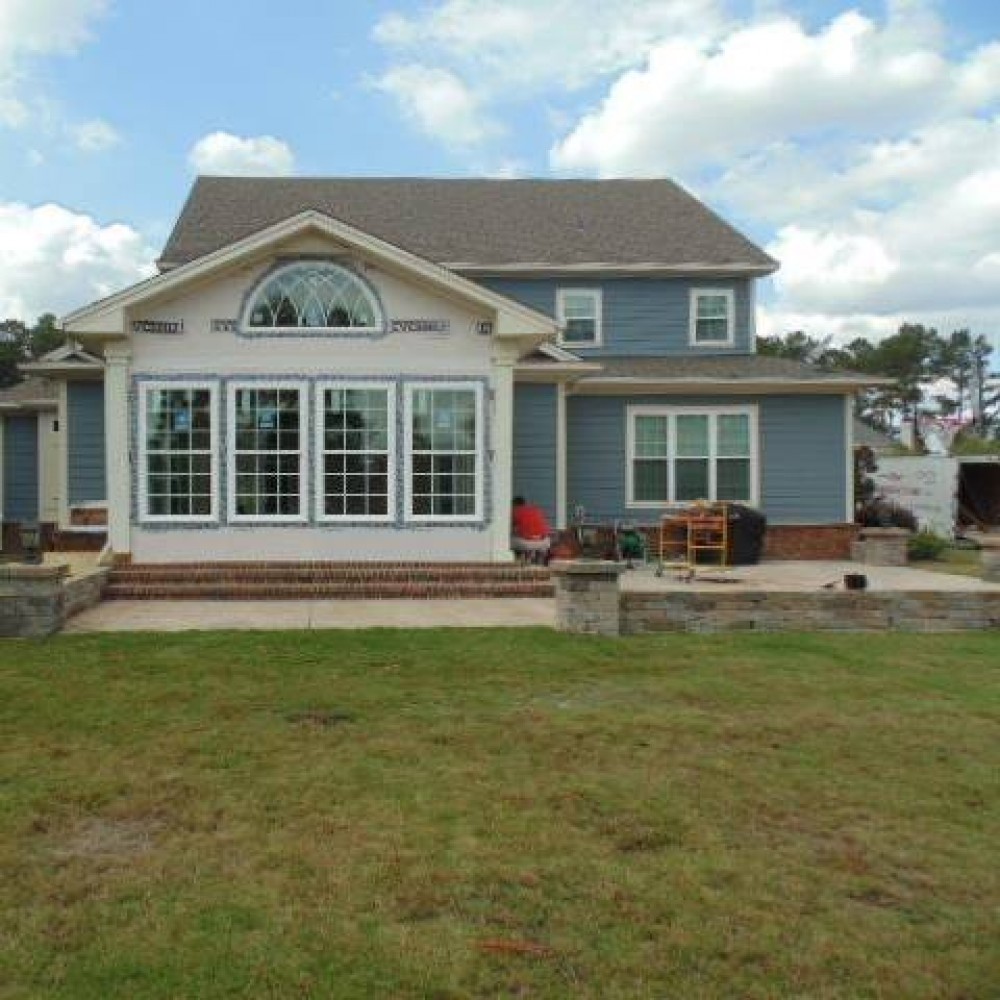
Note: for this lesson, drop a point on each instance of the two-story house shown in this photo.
(370, 369)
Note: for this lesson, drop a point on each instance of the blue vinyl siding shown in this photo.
(643, 317)
(535, 411)
(85, 442)
(802, 453)
(20, 468)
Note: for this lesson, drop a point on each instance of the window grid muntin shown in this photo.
(313, 295)
(354, 445)
(716, 457)
(579, 312)
(188, 453)
(712, 315)
(266, 453)
(444, 465)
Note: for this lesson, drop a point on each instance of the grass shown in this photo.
(504, 813)
(963, 561)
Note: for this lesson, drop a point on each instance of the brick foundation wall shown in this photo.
(88, 517)
(54, 540)
(809, 541)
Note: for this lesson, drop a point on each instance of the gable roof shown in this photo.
(513, 319)
(29, 394)
(466, 224)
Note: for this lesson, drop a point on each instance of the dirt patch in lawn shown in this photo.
(109, 838)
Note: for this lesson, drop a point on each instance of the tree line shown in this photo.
(20, 342)
(946, 375)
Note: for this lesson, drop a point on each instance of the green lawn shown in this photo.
(965, 562)
(518, 814)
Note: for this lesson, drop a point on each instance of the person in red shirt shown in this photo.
(530, 532)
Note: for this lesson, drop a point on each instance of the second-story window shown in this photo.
(579, 312)
(711, 317)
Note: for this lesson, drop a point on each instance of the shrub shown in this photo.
(882, 514)
(926, 545)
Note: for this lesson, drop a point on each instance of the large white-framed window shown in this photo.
(267, 466)
(580, 314)
(443, 451)
(355, 451)
(178, 451)
(679, 454)
(712, 317)
(314, 295)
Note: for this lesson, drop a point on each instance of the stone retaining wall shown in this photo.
(36, 601)
(822, 611)
(587, 596)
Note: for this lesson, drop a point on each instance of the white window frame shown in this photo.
(730, 296)
(598, 298)
(671, 413)
(232, 388)
(480, 467)
(319, 447)
(309, 331)
(145, 387)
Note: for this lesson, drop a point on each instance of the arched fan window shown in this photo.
(313, 295)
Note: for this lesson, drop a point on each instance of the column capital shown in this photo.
(118, 354)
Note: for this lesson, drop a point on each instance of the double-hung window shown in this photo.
(178, 451)
(267, 475)
(711, 317)
(355, 447)
(678, 455)
(444, 452)
(579, 313)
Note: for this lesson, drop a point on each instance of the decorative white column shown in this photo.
(503, 455)
(117, 448)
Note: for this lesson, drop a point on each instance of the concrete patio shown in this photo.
(179, 616)
(801, 577)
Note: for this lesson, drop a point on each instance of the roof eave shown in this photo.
(647, 268)
(612, 383)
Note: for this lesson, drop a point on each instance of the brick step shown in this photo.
(292, 573)
(347, 578)
(329, 564)
(266, 590)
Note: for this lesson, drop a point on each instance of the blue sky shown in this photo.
(859, 143)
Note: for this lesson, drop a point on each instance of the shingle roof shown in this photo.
(477, 222)
(746, 367)
(30, 392)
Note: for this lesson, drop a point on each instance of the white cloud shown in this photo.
(227, 154)
(439, 104)
(456, 62)
(96, 136)
(53, 259)
(522, 44)
(869, 150)
(33, 28)
(693, 104)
